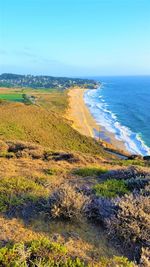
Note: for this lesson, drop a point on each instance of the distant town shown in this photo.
(17, 80)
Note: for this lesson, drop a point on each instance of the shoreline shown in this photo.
(83, 121)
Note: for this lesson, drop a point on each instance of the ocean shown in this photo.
(122, 106)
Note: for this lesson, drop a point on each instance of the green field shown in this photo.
(12, 97)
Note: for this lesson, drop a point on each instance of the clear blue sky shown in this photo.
(75, 37)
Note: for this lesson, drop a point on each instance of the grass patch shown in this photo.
(16, 191)
(116, 261)
(129, 162)
(54, 100)
(111, 188)
(90, 171)
(12, 97)
(50, 171)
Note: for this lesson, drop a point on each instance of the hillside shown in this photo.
(41, 125)
(64, 201)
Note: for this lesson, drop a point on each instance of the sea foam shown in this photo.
(104, 117)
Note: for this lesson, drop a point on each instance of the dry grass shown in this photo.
(14, 230)
(3, 146)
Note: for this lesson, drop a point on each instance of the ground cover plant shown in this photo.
(44, 253)
(12, 97)
(17, 191)
(111, 188)
(90, 171)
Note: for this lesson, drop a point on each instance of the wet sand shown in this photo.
(82, 120)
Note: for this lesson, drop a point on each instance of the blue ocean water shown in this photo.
(122, 106)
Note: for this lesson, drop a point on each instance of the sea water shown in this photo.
(122, 106)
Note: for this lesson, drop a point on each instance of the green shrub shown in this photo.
(41, 252)
(27, 254)
(116, 262)
(90, 171)
(111, 188)
(45, 253)
(7, 155)
(50, 171)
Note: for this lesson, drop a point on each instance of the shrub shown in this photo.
(131, 224)
(145, 257)
(41, 252)
(127, 173)
(146, 191)
(44, 253)
(7, 155)
(137, 184)
(100, 209)
(90, 171)
(116, 262)
(15, 146)
(111, 188)
(27, 254)
(65, 202)
(25, 149)
(36, 153)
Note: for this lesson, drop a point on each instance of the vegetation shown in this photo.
(116, 261)
(61, 193)
(132, 222)
(12, 97)
(135, 162)
(67, 203)
(89, 171)
(45, 253)
(136, 228)
(17, 191)
(111, 188)
(16, 80)
(39, 125)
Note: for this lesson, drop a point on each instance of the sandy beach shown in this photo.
(82, 120)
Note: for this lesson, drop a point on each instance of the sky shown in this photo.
(75, 37)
